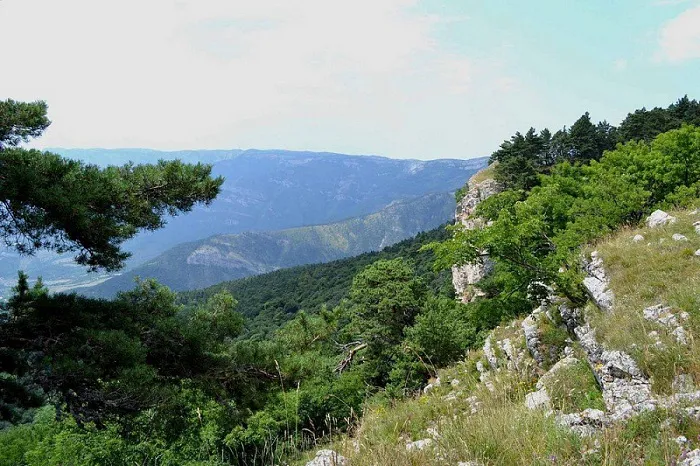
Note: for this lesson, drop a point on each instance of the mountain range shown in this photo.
(220, 258)
(264, 191)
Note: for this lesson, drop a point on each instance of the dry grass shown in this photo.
(485, 174)
(657, 270)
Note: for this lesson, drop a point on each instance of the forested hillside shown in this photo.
(145, 379)
(228, 257)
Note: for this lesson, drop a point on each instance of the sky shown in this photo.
(400, 78)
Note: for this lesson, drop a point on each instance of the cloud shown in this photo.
(679, 39)
(171, 74)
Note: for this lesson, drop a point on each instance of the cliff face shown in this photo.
(465, 277)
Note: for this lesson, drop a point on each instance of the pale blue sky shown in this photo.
(401, 78)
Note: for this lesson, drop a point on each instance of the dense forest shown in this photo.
(251, 372)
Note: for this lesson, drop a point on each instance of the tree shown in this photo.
(48, 202)
(583, 140)
(386, 298)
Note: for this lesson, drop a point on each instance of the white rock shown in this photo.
(597, 283)
(679, 237)
(419, 445)
(697, 253)
(681, 440)
(328, 458)
(691, 458)
(638, 238)
(697, 227)
(659, 218)
(428, 388)
(454, 382)
(538, 399)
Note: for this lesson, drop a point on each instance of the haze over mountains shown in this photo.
(268, 190)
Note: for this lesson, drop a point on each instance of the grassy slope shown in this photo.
(504, 432)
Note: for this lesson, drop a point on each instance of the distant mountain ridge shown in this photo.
(265, 190)
(227, 257)
(268, 190)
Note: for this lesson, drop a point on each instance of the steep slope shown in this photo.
(227, 257)
(614, 382)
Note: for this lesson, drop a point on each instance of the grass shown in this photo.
(485, 174)
(574, 388)
(657, 270)
(504, 432)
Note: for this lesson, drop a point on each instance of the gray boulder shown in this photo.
(328, 458)
(659, 218)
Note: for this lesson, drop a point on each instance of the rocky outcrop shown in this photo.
(597, 283)
(466, 276)
(328, 458)
(663, 316)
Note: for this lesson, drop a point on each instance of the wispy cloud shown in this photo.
(679, 38)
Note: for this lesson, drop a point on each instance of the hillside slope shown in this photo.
(228, 257)
(614, 382)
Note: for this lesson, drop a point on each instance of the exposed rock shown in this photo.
(474, 404)
(663, 316)
(597, 283)
(626, 390)
(466, 276)
(659, 218)
(468, 463)
(585, 423)
(476, 193)
(637, 238)
(432, 385)
(454, 382)
(570, 316)
(697, 227)
(681, 440)
(551, 374)
(691, 458)
(532, 336)
(679, 237)
(328, 458)
(538, 399)
(697, 253)
(433, 432)
(490, 354)
(419, 445)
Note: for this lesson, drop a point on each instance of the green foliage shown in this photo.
(272, 299)
(48, 202)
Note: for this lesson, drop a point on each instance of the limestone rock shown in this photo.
(691, 458)
(663, 316)
(697, 227)
(538, 399)
(419, 445)
(659, 218)
(697, 253)
(532, 335)
(679, 237)
(597, 283)
(328, 458)
(466, 276)
(637, 238)
(585, 423)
